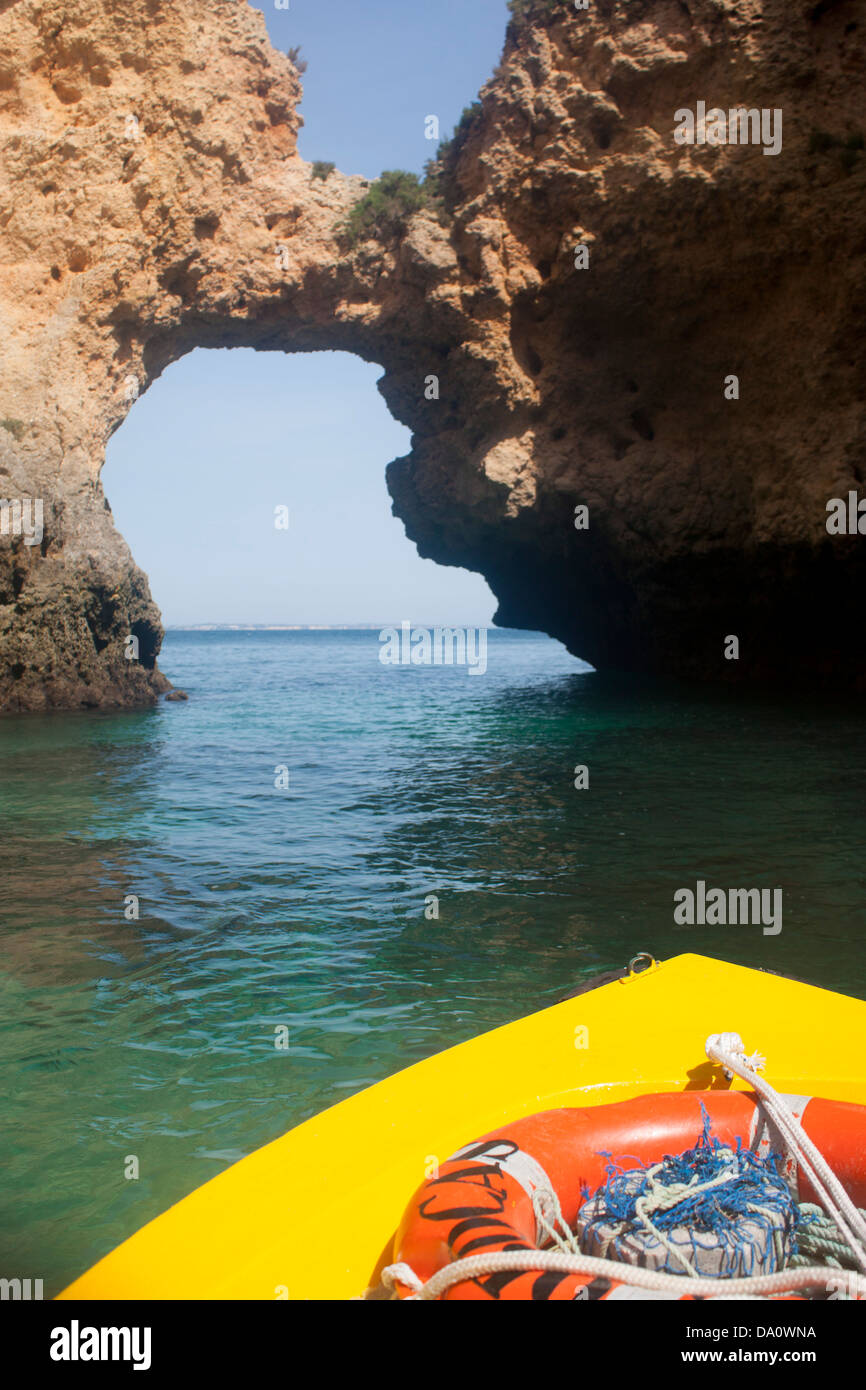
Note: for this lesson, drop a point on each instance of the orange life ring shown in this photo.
(481, 1199)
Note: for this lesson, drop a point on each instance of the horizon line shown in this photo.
(316, 627)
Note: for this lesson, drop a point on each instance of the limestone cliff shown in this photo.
(152, 200)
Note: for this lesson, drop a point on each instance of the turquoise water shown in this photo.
(304, 908)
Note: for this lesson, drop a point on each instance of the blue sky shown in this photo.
(222, 438)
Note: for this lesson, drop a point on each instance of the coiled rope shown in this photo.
(733, 1199)
(818, 1238)
(761, 1285)
(659, 1199)
(728, 1051)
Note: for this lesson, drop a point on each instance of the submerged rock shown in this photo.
(561, 329)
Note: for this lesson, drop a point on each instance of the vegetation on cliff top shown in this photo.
(536, 9)
(440, 174)
(297, 62)
(385, 209)
(322, 169)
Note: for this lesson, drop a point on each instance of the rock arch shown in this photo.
(154, 201)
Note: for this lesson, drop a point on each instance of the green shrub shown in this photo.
(16, 428)
(522, 9)
(449, 150)
(322, 168)
(385, 209)
(297, 62)
(439, 173)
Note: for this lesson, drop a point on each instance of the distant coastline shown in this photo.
(291, 627)
(273, 627)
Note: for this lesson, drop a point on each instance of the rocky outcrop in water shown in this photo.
(582, 288)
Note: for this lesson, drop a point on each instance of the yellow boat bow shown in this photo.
(312, 1215)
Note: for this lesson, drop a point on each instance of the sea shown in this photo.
(220, 916)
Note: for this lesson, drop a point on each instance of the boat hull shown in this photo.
(313, 1214)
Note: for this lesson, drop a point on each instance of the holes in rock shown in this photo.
(99, 642)
(147, 643)
(67, 93)
(533, 361)
(603, 128)
(78, 260)
(204, 227)
(180, 280)
(521, 327)
(641, 422)
(55, 272)
(289, 219)
(278, 112)
(136, 61)
(17, 670)
(559, 433)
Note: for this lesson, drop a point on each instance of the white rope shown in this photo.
(660, 1198)
(728, 1050)
(566, 1241)
(657, 1198)
(516, 1261)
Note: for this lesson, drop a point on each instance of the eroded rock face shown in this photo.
(152, 200)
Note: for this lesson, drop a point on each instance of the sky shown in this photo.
(222, 438)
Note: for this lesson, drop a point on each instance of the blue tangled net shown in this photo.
(757, 1194)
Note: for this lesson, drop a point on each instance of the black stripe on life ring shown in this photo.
(545, 1284)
